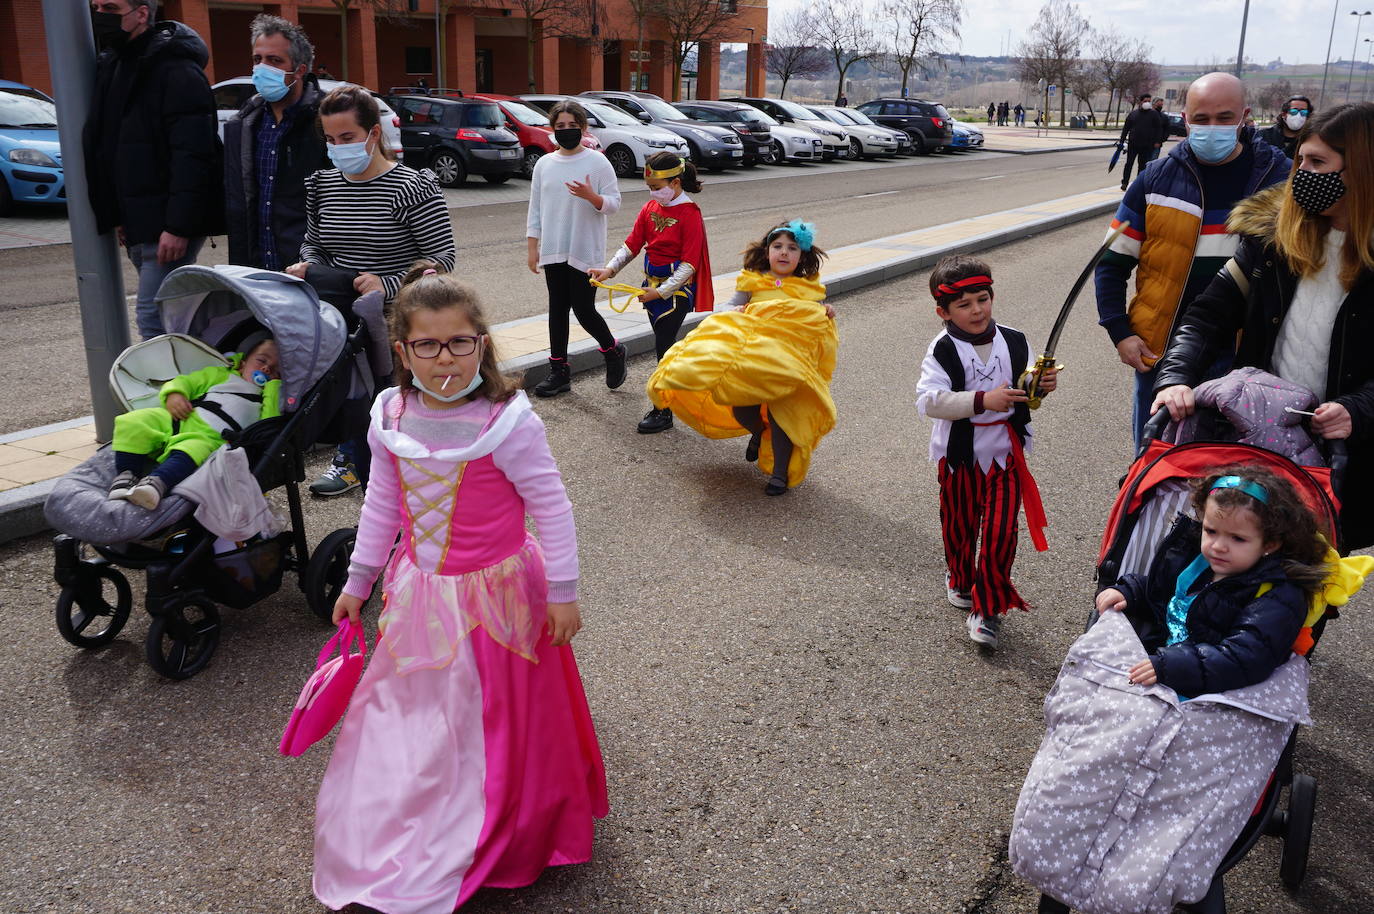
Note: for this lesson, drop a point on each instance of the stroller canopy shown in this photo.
(212, 302)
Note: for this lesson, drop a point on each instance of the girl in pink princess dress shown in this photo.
(467, 758)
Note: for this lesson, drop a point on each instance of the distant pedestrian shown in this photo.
(1003, 112)
(1139, 134)
(151, 145)
(1158, 106)
(1174, 245)
(423, 85)
(1020, 114)
(270, 147)
(1293, 116)
(981, 426)
(992, 113)
(468, 757)
(572, 192)
(677, 262)
(842, 101)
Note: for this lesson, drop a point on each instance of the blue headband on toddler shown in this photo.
(1253, 489)
(804, 232)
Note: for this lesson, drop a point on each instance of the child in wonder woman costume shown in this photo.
(677, 265)
(763, 369)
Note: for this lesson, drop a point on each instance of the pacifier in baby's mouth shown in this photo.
(260, 378)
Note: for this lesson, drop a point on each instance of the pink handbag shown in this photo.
(328, 690)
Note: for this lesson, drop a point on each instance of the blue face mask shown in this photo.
(350, 158)
(270, 82)
(1212, 143)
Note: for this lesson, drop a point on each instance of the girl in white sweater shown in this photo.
(571, 193)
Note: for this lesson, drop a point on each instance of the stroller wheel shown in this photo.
(1297, 838)
(85, 615)
(327, 571)
(181, 641)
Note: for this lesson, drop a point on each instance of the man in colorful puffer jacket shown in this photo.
(1177, 239)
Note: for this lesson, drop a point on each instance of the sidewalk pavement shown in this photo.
(1027, 141)
(31, 461)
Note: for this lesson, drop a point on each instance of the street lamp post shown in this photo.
(1240, 55)
(1321, 96)
(1350, 84)
(1364, 86)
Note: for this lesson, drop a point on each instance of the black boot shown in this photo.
(656, 420)
(558, 382)
(615, 365)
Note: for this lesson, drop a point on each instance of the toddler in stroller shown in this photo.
(232, 550)
(197, 409)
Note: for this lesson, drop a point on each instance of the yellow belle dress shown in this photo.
(779, 352)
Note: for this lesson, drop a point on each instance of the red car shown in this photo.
(531, 126)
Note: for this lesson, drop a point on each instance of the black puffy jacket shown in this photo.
(152, 140)
(299, 153)
(1250, 296)
(1235, 639)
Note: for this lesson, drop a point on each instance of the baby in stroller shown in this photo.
(1225, 600)
(197, 409)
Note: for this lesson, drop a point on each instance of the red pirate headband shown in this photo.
(960, 286)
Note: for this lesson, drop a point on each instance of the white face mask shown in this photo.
(1295, 121)
(664, 195)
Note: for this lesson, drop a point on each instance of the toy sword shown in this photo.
(1030, 380)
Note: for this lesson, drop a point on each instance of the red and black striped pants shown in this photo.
(974, 503)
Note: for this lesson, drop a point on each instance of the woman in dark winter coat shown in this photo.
(1300, 292)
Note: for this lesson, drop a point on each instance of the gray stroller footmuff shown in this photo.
(80, 506)
(1134, 796)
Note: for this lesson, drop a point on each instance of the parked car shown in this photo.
(710, 147)
(30, 156)
(627, 142)
(904, 146)
(752, 126)
(863, 140)
(966, 137)
(927, 123)
(531, 128)
(457, 137)
(230, 94)
(791, 114)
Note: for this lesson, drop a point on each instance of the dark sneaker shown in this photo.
(123, 484)
(615, 366)
(559, 380)
(984, 629)
(775, 486)
(751, 450)
(148, 493)
(338, 478)
(656, 420)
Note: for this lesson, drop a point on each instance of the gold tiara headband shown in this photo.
(666, 173)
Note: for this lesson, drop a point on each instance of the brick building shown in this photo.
(392, 43)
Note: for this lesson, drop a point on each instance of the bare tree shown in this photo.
(1274, 95)
(689, 23)
(384, 8)
(792, 51)
(920, 31)
(1051, 52)
(1086, 81)
(846, 35)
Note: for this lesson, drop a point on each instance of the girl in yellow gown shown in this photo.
(762, 369)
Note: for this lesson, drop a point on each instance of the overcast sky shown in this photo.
(1181, 33)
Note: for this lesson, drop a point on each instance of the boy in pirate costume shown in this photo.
(677, 265)
(197, 409)
(981, 428)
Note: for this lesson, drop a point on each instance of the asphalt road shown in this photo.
(792, 717)
(39, 316)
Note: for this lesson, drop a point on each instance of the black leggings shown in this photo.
(751, 417)
(667, 327)
(570, 291)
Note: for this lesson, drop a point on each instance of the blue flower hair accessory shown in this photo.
(1249, 487)
(804, 232)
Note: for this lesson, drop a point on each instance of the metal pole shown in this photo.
(439, 44)
(1350, 83)
(99, 270)
(1321, 96)
(1364, 89)
(1240, 55)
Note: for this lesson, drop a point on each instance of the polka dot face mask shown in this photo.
(1316, 192)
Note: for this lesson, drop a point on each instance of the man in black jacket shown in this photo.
(1140, 133)
(271, 147)
(151, 144)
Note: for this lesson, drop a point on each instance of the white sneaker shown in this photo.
(984, 629)
(148, 493)
(957, 598)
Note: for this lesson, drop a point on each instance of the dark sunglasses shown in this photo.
(429, 348)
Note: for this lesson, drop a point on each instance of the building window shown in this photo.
(729, 6)
(420, 60)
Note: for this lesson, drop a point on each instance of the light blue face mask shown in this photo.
(350, 158)
(475, 383)
(270, 82)
(1212, 143)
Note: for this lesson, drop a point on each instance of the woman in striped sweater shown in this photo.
(371, 215)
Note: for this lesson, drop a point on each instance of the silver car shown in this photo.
(626, 142)
(863, 140)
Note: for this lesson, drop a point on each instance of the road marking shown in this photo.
(881, 194)
(1062, 167)
(992, 177)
